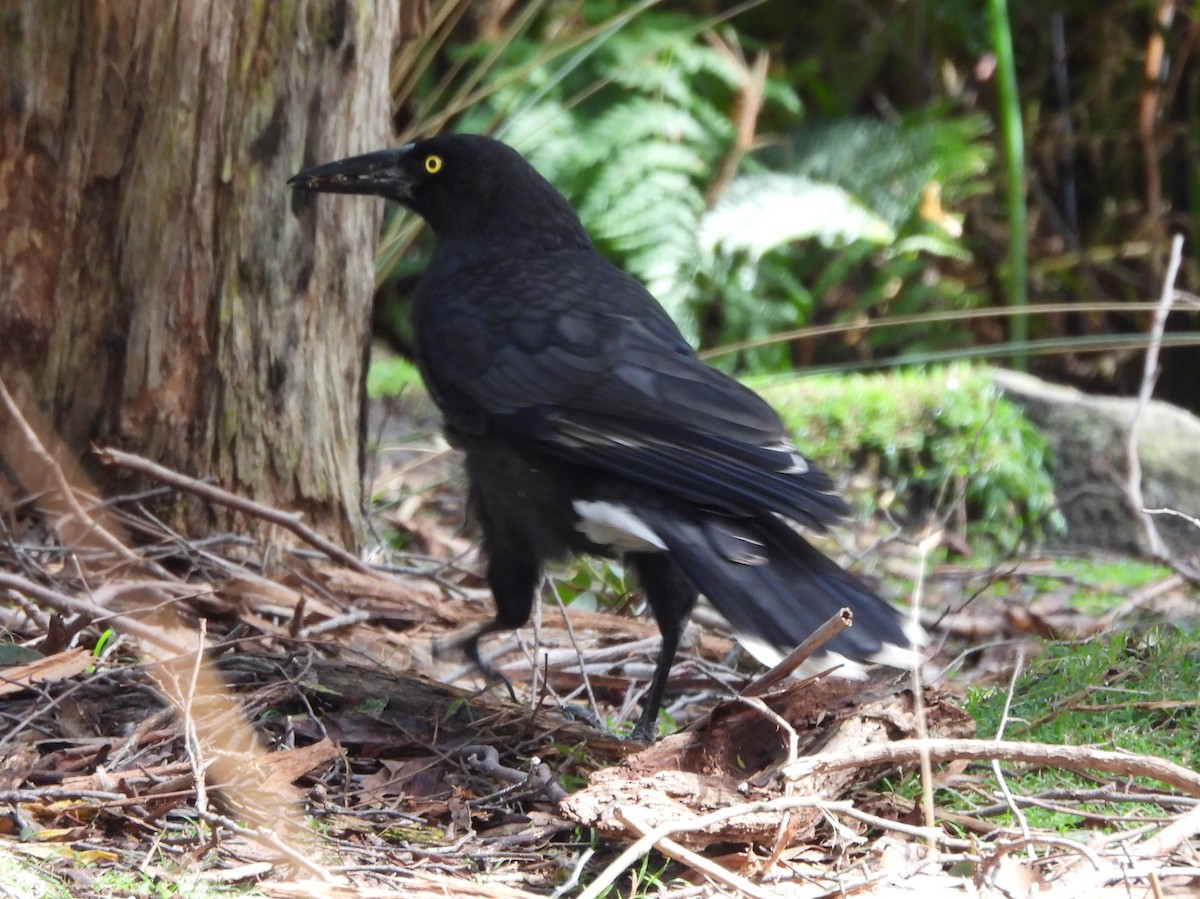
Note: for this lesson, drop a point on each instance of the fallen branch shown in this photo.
(290, 521)
(1170, 837)
(1071, 757)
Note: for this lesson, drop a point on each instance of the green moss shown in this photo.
(390, 376)
(1135, 693)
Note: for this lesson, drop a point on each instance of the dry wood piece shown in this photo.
(736, 758)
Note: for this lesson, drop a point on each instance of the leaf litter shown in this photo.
(330, 741)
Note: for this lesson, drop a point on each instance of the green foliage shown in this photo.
(629, 111)
(595, 584)
(927, 434)
(875, 115)
(1123, 692)
(647, 878)
(631, 132)
(887, 165)
(853, 203)
(633, 129)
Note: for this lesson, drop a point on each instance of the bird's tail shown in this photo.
(776, 589)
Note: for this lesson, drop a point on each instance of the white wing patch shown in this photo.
(610, 524)
(798, 463)
(890, 655)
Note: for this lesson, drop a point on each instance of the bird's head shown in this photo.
(464, 185)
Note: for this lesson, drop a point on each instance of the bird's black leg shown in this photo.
(513, 573)
(671, 597)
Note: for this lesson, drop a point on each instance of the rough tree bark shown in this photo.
(160, 287)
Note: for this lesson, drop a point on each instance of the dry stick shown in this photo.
(1016, 810)
(152, 634)
(573, 880)
(843, 619)
(918, 688)
(1158, 549)
(191, 737)
(747, 106)
(1195, 522)
(1170, 837)
(651, 838)
(587, 681)
(291, 521)
(1030, 841)
(632, 818)
(908, 751)
(1155, 885)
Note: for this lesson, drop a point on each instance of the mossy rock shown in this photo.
(1088, 437)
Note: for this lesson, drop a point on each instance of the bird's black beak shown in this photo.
(381, 174)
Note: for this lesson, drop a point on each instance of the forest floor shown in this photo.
(332, 742)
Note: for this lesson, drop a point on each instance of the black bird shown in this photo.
(590, 426)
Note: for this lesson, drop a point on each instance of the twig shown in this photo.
(1158, 548)
(1057, 796)
(191, 738)
(917, 687)
(58, 794)
(291, 521)
(747, 106)
(266, 836)
(631, 817)
(651, 838)
(1031, 840)
(1070, 757)
(1170, 837)
(1195, 522)
(587, 681)
(1011, 802)
(334, 624)
(571, 882)
(152, 634)
(843, 619)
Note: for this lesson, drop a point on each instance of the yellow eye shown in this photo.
(433, 164)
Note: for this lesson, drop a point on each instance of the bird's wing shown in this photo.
(671, 422)
(596, 373)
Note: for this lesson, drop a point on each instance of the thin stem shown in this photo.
(1014, 164)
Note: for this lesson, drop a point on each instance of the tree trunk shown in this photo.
(159, 288)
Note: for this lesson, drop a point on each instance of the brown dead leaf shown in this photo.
(59, 666)
(289, 765)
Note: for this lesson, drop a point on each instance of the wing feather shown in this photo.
(596, 373)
